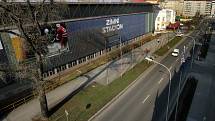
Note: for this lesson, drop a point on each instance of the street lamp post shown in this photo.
(194, 43)
(121, 56)
(170, 76)
(179, 85)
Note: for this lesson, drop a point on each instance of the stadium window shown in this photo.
(80, 61)
(98, 53)
(50, 73)
(58, 70)
(69, 65)
(44, 75)
(63, 68)
(83, 59)
(73, 63)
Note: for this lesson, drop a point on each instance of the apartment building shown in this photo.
(191, 7)
(212, 8)
(177, 6)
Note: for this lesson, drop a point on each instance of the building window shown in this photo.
(158, 18)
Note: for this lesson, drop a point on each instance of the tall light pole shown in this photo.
(194, 43)
(170, 77)
(107, 66)
(120, 45)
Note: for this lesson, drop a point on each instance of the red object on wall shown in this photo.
(173, 26)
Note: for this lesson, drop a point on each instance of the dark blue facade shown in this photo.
(133, 25)
(89, 36)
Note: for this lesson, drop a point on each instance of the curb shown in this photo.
(122, 92)
(135, 81)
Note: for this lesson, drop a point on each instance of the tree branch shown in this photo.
(33, 15)
(14, 17)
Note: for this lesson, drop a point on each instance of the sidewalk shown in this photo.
(99, 75)
(203, 104)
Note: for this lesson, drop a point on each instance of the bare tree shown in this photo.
(28, 19)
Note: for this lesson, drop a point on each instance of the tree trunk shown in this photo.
(41, 90)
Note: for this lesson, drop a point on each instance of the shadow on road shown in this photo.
(161, 99)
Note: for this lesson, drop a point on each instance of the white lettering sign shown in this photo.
(1, 47)
(112, 25)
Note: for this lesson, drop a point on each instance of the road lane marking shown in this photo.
(146, 99)
(160, 80)
(170, 68)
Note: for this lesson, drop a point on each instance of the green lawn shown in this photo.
(169, 45)
(97, 95)
(61, 79)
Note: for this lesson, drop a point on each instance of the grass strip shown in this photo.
(97, 96)
(61, 79)
(169, 45)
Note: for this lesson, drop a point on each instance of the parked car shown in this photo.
(175, 52)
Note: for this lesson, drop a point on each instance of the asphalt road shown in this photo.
(146, 100)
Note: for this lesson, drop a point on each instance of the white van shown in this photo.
(175, 52)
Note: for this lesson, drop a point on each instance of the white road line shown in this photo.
(170, 68)
(146, 99)
(160, 80)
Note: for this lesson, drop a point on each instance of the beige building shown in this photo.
(212, 8)
(192, 7)
(177, 6)
(152, 1)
